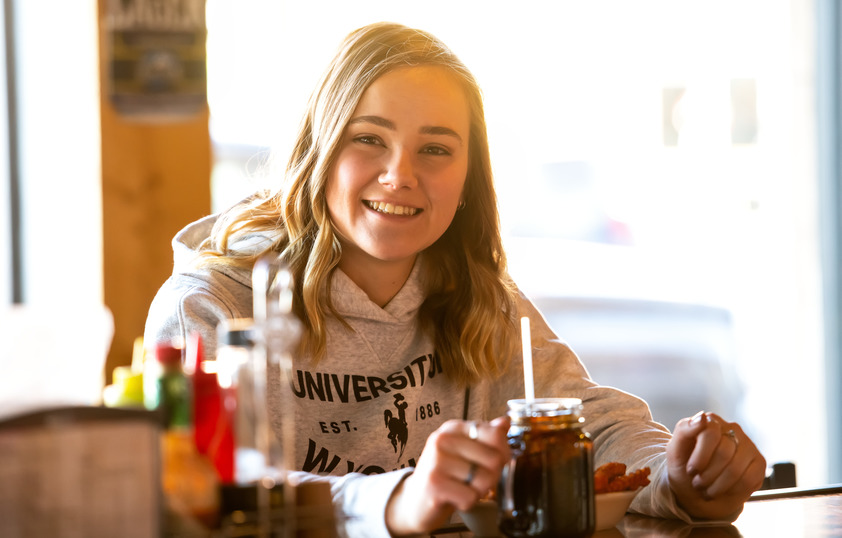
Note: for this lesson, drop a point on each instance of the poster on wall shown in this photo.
(156, 58)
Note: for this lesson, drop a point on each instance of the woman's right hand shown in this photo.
(461, 462)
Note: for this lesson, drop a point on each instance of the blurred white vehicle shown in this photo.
(651, 320)
(633, 333)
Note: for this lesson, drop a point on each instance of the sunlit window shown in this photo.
(655, 168)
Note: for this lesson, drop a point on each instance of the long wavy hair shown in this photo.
(470, 308)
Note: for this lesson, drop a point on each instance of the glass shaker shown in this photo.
(276, 334)
(546, 489)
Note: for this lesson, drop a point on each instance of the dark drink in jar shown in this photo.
(547, 487)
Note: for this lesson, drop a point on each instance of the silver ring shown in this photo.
(473, 430)
(733, 435)
(471, 472)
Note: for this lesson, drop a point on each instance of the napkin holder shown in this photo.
(81, 471)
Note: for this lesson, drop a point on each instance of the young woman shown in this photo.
(387, 218)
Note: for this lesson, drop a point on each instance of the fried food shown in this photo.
(613, 477)
(603, 476)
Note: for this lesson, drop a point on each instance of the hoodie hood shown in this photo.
(350, 301)
(187, 241)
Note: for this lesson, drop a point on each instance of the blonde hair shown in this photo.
(470, 305)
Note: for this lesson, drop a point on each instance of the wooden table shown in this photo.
(793, 513)
(786, 513)
(800, 516)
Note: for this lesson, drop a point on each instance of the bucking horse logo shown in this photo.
(398, 432)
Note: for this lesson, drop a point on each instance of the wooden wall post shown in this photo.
(155, 180)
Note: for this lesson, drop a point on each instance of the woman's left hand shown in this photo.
(460, 463)
(713, 466)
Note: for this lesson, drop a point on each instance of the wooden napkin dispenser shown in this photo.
(81, 471)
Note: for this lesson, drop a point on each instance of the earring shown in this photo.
(460, 205)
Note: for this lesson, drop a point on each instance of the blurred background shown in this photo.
(668, 176)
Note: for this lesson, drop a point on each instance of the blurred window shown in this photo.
(655, 164)
(52, 140)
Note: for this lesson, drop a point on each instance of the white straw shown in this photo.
(526, 338)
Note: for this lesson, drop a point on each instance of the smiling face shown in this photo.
(400, 170)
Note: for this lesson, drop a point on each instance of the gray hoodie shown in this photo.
(363, 413)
